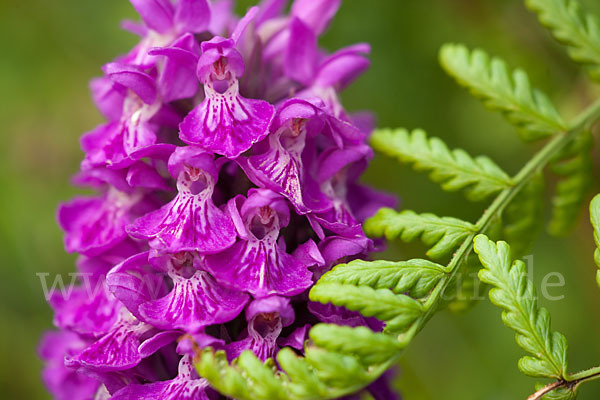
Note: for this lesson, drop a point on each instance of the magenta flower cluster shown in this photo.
(227, 185)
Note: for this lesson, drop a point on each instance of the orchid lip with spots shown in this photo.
(227, 176)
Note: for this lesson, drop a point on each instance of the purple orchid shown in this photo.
(228, 179)
(281, 167)
(258, 263)
(88, 315)
(95, 224)
(196, 300)
(63, 382)
(123, 346)
(191, 221)
(225, 122)
(186, 386)
(114, 144)
(266, 318)
(163, 24)
(177, 76)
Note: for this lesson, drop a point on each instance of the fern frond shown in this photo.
(453, 169)
(336, 369)
(579, 31)
(320, 374)
(595, 218)
(574, 167)
(361, 342)
(303, 383)
(262, 376)
(216, 369)
(415, 277)
(398, 311)
(516, 295)
(523, 217)
(529, 110)
(442, 234)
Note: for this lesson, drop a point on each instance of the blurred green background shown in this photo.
(50, 50)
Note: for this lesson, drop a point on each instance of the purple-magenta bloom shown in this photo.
(95, 224)
(177, 78)
(228, 181)
(114, 144)
(258, 263)
(266, 318)
(191, 221)
(225, 122)
(121, 347)
(186, 386)
(196, 300)
(88, 315)
(281, 166)
(64, 383)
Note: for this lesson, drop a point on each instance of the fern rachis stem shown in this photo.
(546, 389)
(592, 373)
(571, 381)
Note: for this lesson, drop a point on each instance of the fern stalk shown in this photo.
(572, 380)
(525, 175)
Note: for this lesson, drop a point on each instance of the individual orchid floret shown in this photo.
(140, 174)
(281, 166)
(334, 167)
(342, 67)
(225, 122)
(123, 346)
(316, 14)
(98, 266)
(162, 17)
(258, 262)
(134, 282)
(266, 318)
(62, 382)
(92, 225)
(114, 144)
(108, 97)
(164, 23)
(275, 32)
(303, 63)
(177, 78)
(196, 300)
(89, 309)
(302, 60)
(185, 386)
(191, 344)
(291, 51)
(337, 249)
(333, 74)
(191, 221)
